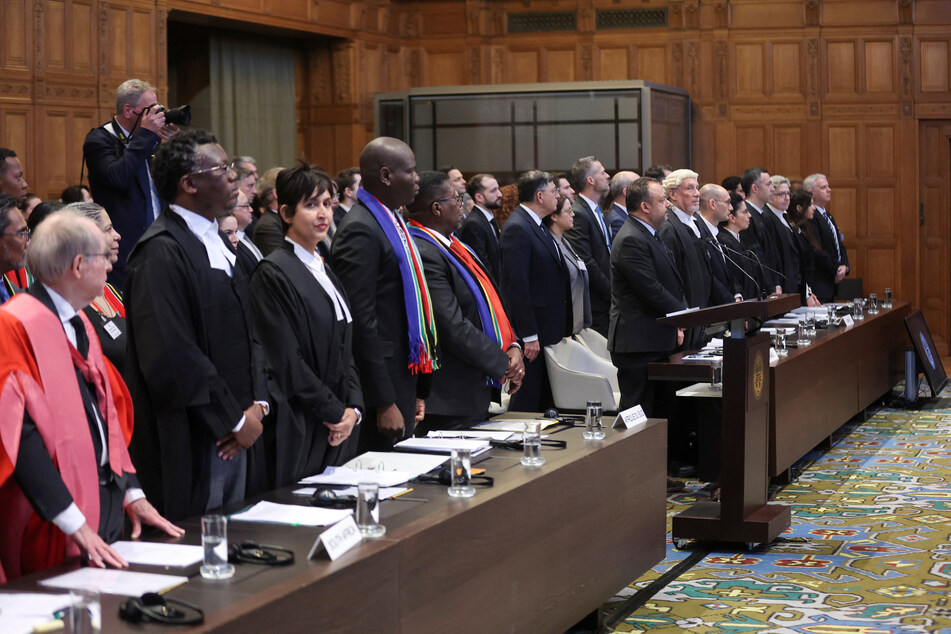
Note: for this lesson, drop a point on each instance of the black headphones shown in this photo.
(260, 554)
(328, 497)
(154, 608)
(444, 476)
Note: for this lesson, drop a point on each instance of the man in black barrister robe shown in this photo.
(197, 381)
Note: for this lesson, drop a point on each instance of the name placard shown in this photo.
(337, 539)
(848, 321)
(630, 417)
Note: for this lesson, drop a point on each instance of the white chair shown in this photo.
(595, 342)
(578, 375)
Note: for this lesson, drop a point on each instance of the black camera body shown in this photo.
(181, 115)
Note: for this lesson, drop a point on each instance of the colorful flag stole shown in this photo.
(419, 310)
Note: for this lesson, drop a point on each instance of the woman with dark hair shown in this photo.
(304, 323)
(76, 194)
(813, 261)
(559, 222)
(106, 312)
(743, 269)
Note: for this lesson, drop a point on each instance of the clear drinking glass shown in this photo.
(532, 444)
(85, 612)
(716, 374)
(832, 316)
(368, 510)
(779, 337)
(858, 309)
(810, 322)
(214, 539)
(592, 422)
(872, 304)
(887, 300)
(460, 465)
(802, 334)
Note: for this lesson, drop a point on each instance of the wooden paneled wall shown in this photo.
(842, 87)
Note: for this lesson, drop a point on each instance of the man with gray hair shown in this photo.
(68, 409)
(830, 238)
(590, 237)
(781, 238)
(617, 199)
(117, 154)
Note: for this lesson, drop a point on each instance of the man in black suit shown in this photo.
(617, 195)
(72, 466)
(365, 260)
(535, 285)
(781, 239)
(267, 231)
(117, 155)
(714, 209)
(830, 237)
(348, 184)
(480, 230)
(198, 381)
(758, 187)
(468, 358)
(590, 237)
(682, 237)
(645, 285)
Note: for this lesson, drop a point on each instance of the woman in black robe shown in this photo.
(304, 323)
(814, 263)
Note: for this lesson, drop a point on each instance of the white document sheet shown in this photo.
(471, 433)
(514, 425)
(292, 514)
(121, 582)
(385, 492)
(444, 445)
(412, 463)
(154, 554)
(351, 477)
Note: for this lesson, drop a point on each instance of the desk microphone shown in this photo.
(731, 261)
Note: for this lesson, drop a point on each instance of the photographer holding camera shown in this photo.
(118, 154)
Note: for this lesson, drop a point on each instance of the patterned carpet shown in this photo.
(868, 552)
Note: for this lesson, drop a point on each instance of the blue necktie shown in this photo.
(835, 238)
(604, 230)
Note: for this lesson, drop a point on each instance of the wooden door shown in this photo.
(934, 279)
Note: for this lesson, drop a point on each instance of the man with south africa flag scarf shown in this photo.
(394, 335)
(478, 350)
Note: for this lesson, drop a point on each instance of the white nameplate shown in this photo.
(337, 539)
(112, 329)
(630, 417)
(848, 321)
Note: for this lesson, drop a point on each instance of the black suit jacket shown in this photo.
(615, 220)
(645, 285)
(824, 285)
(749, 288)
(119, 181)
(477, 232)
(588, 241)
(268, 233)
(784, 244)
(722, 288)
(535, 282)
(756, 239)
(690, 259)
(193, 363)
(366, 265)
(466, 355)
(309, 353)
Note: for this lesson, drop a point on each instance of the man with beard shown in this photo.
(480, 231)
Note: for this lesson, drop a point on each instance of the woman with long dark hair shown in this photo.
(813, 261)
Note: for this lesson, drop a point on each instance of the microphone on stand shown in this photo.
(731, 261)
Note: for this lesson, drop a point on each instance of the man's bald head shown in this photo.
(388, 167)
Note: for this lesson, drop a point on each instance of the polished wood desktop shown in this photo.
(536, 552)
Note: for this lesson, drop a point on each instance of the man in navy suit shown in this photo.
(535, 285)
(117, 154)
(830, 238)
(590, 237)
(645, 285)
(617, 195)
(480, 230)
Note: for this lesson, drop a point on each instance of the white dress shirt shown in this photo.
(315, 264)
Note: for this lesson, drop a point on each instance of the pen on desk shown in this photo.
(400, 496)
(50, 626)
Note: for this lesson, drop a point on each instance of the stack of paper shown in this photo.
(415, 464)
(352, 477)
(20, 612)
(121, 582)
(155, 554)
(271, 513)
(473, 433)
(443, 445)
(513, 425)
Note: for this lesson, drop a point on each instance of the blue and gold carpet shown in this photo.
(868, 552)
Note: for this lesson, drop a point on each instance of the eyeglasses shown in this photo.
(23, 233)
(208, 170)
(458, 198)
(246, 206)
(781, 194)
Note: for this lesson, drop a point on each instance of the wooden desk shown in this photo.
(535, 553)
(816, 389)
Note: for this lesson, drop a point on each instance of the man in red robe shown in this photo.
(65, 414)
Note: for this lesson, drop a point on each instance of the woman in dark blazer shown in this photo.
(304, 323)
(560, 222)
(743, 270)
(813, 261)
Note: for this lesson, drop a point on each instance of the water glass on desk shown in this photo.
(368, 510)
(460, 466)
(858, 309)
(85, 611)
(532, 444)
(716, 374)
(779, 341)
(214, 541)
(592, 422)
(802, 334)
(833, 318)
(872, 304)
(887, 299)
(810, 320)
